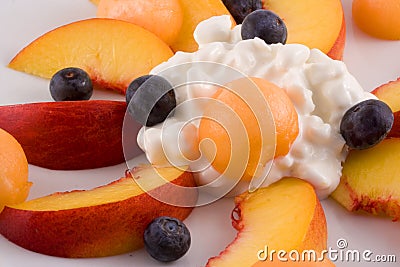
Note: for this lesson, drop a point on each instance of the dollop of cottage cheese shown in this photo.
(320, 88)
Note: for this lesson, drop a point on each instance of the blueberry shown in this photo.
(167, 239)
(71, 84)
(265, 25)
(366, 124)
(239, 9)
(133, 86)
(150, 99)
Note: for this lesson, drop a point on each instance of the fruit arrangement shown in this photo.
(121, 217)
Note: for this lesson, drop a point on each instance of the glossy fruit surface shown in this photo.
(378, 18)
(263, 130)
(193, 13)
(389, 93)
(314, 23)
(151, 99)
(370, 180)
(14, 185)
(162, 17)
(134, 86)
(104, 221)
(241, 8)
(84, 130)
(113, 52)
(286, 215)
(266, 25)
(71, 84)
(366, 124)
(167, 239)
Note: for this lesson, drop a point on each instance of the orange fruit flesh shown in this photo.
(390, 94)
(14, 185)
(281, 216)
(193, 13)
(378, 18)
(247, 129)
(162, 17)
(113, 52)
(322, 27)
(117, 191)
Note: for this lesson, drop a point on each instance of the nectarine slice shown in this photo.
(286, 215)
(104, 221)
(395, 131)
(113, 52)
(162, 17)
(390, 94)
(193, 13)
(371, 180)
(71, 135)
(314, 23)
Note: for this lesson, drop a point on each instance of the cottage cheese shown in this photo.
(321, 89)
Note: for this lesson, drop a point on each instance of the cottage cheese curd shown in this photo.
(321, 89)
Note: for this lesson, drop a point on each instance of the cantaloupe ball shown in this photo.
(14, 185)
(247, 129)
(378, 18)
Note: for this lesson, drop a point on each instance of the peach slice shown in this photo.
(193, 13)
(72, 134)
(162, 17)
(370, 180)
(113, 52)
(395, 131)
(104, 221)
(286, 215)
(390, 94)
(314, 23)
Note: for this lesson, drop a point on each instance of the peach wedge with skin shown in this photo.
(104, 221)
(72, 135)
(162, 17)
(113, 52)
(371, 180)
(314, 23)
(390, 94)
(286, 215)
(193, 13)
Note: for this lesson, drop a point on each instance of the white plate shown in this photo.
(371, 61)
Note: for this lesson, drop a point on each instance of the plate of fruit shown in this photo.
(199, 133)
